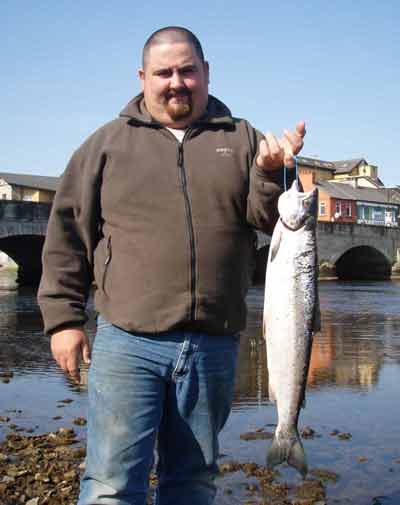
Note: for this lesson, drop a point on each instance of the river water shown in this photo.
(353, 387)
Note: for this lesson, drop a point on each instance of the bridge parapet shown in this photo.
(21, 211)
(360, 230)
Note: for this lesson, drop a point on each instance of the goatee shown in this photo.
(179, 109)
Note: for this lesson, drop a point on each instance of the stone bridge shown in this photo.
(22, 231)
(348, 251)
(358, 251)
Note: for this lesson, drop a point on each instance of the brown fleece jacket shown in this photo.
(166, 230)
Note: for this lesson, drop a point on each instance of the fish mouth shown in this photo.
(292, 228)
(295, 186)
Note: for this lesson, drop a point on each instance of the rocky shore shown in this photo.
(45, 469)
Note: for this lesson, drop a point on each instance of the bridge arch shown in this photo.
(22, 233)
(26, 251)
(363, 262)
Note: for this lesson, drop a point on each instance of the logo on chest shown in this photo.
(226, 152)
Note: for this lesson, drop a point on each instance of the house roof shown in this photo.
(338, 167)
(316, 163)
(374, 181)
(348, 192)
(31, 181)
(345, 166)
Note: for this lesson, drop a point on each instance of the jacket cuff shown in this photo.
(62, 317)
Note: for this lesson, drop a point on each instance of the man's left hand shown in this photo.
(274, 153)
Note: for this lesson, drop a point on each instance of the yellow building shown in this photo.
(32, 188)
(359, 167)
(357, 172)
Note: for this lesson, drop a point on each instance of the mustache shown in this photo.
(178, 93)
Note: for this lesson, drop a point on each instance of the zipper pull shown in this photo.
(180, 155)
(108, 259)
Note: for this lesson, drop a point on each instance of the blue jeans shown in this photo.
(173, 387)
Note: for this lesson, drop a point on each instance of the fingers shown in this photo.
(73, 366)
(68, 346)
(301, 128)
(69, 362)
(295, 139)
(86, 353)
(271, 153)
(274, 153)
(292, 143)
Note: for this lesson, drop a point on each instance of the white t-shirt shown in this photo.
(179, 134)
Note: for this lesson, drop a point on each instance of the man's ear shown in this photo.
(141, 77)
(207, 70)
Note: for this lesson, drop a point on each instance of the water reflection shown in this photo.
(23, 347)
(348, 352)
(344, 354)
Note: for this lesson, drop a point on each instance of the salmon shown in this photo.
(291, 317)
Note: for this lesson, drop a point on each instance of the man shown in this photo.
(159, 207)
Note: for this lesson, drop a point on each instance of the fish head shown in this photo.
(297, 208)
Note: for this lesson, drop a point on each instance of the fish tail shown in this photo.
(288, 449)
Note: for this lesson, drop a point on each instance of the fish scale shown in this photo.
(291, 317)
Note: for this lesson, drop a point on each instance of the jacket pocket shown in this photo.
(107, 262)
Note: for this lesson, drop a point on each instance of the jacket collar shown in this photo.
(217, 113)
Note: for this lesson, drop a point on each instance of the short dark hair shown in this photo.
(172, 34)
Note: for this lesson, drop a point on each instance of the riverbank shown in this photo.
(46, 469)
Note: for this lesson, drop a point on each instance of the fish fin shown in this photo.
(275, 242)
(297, 458)
(288, 450)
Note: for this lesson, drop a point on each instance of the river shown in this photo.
(353, 388)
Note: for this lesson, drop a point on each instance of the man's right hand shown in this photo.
(68, 347)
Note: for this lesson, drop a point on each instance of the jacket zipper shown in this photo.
(189, 220)
(106, 263)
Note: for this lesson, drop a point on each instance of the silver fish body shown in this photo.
(291, 316)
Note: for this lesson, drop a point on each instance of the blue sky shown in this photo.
(68, 67)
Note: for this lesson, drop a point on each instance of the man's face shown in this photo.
(175, 84)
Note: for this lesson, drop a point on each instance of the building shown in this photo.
(345, 203)
(33, 188)
(350, 191)
(358, 172)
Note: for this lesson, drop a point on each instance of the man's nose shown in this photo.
(176, 80)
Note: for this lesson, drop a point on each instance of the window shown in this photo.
(322, 208)
(378, 215)
(4, 196)
(348, 209)
(390, 217)
(338, 208)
